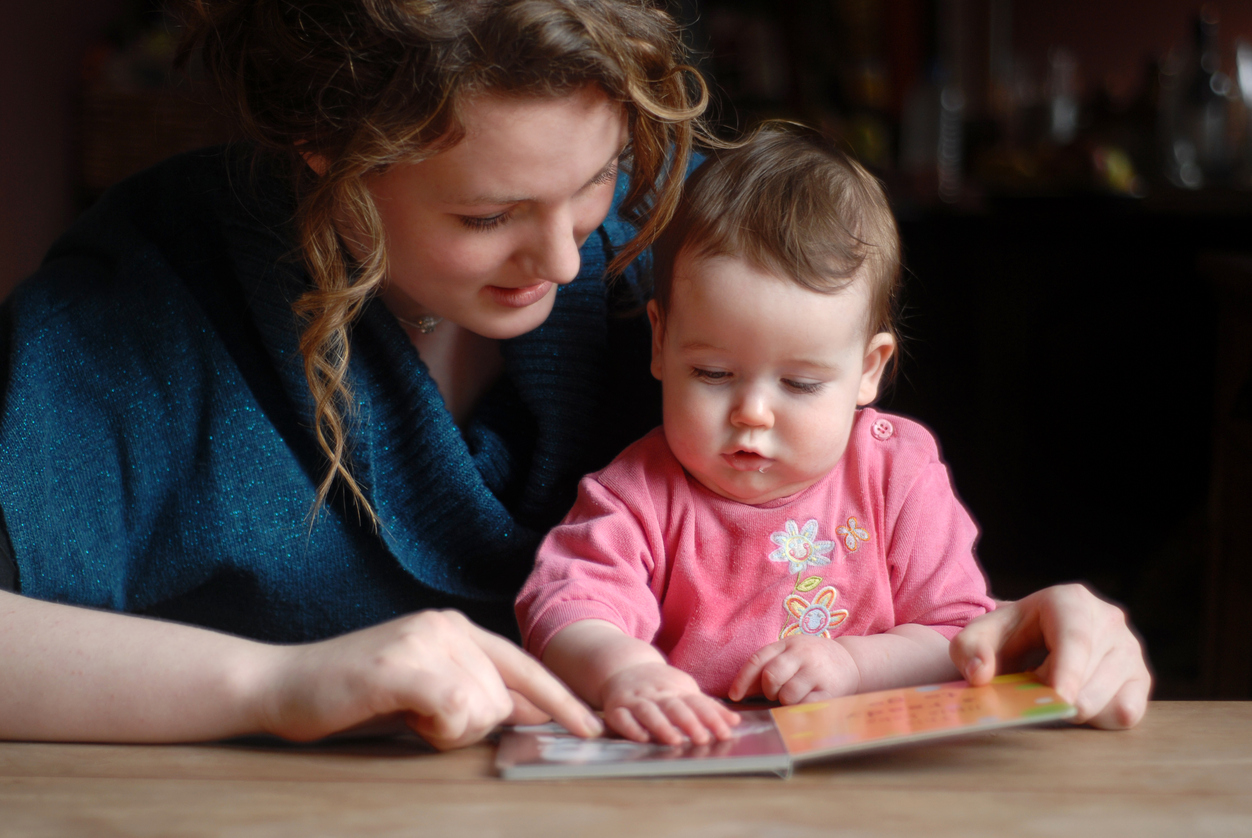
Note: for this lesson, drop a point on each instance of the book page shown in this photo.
(856, 722)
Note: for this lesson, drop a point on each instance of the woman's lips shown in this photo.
(747, 461)
(519, 297)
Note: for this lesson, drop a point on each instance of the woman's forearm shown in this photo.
(76, 674)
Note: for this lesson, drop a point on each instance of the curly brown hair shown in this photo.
(367, 84)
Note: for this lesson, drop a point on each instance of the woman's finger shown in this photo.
(442, 717)
(1115, 693)
(526, 677)
(525, 712)
(979, 648)
(1125, 709)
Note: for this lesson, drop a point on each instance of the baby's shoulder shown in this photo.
(892, 443)
(646, 460)
(645, 471)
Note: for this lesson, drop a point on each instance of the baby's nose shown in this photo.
(752, 410)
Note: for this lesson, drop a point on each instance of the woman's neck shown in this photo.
(463, 364)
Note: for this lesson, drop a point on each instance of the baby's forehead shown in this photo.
(695, 268)
(700, 280)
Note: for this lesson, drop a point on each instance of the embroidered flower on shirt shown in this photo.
(852, 534)
(800, 547)
(813, 618)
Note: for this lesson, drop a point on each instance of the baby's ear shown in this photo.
(658, 336)
(877, 353)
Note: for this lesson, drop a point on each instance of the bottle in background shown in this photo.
(1195, 115)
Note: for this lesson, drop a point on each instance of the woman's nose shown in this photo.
(751, 409)
(553, 253)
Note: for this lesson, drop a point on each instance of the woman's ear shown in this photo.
(315, 161)
(877, 353)
(658, 336)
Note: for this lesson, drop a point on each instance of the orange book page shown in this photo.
(915, 712)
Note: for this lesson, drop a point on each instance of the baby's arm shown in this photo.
(643, 696)
(805, 668)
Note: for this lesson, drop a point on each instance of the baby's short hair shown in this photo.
(792, 204)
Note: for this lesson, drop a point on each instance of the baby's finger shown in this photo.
(683, 717)
(778, 673)
(798, 687)
(625, 724)
(748, 681)
(715, 716)
(657, 723)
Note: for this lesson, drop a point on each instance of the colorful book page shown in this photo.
(910, 714)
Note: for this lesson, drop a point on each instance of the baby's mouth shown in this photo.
(747, 461)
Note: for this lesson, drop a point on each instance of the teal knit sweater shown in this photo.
(155, 451)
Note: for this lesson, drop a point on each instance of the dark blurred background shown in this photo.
(1073, 182)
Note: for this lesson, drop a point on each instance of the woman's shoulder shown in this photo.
(131, 255)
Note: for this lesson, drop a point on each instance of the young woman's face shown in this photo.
(481, 234)
(761, 377)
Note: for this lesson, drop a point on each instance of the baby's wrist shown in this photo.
(846, 661)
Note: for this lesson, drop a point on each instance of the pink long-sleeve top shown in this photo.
(880, 541)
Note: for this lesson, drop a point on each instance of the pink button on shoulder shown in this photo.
(882, 430)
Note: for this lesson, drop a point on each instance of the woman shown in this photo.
(295, 391)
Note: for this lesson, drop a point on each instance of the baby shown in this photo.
(775, 536)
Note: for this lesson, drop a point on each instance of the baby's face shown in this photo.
(761, 377)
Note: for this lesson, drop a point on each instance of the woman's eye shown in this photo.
(490, 222)
(709, 375)
(607, 176)
(796, 386)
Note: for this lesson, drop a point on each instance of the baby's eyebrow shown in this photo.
(809, 363)
(698, 346)
(803, 363)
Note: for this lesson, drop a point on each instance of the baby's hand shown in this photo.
(657, 701)
(796, 670)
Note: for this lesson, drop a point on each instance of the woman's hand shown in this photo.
(1093, 658)
(655, 700)
(452, 681)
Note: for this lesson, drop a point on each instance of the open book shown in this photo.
(773, 741)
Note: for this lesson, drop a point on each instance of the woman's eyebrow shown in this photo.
(497, 200)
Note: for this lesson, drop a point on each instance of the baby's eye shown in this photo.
(709, 375)
(490, 222)
(797, 386)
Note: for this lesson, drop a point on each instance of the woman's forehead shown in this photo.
(521, 148)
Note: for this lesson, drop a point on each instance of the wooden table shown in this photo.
(1186, 771)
